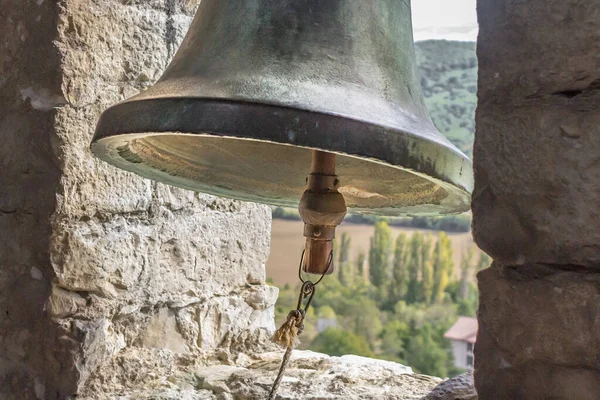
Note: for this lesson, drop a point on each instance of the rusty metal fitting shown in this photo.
(318, 182)
(317, 257)
(322, 208)
(319, 232)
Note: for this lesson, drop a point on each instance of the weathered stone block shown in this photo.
(149, 259)
(537, 48)
(28, 176)
(97, 261)
(162, 333)
(537, 179)
(537, 146)
(538, 334)
(460, 387)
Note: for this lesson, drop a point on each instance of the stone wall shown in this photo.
(94, 261)
(29, 176)
(535, 205)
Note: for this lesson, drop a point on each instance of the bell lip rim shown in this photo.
(460, 187)
(445, 142)
(447, 186)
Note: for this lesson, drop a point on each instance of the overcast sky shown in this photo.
(444, 19)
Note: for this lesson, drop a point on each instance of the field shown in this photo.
(287, 243)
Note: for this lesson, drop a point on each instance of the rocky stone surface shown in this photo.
(537, 146)
(247, 377)
(537, 174)
(461, 387)
(538, 334)
(29, 175)
(96, 261)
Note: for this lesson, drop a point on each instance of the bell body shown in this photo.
(258, 84)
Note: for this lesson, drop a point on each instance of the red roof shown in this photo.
(464, 329)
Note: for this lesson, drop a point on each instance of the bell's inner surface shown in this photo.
(271, 173)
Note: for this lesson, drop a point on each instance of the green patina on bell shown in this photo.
(257, 85)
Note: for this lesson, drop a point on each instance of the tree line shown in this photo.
(451, 223)
(394, 302)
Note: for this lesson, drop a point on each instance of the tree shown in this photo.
(425, 354)
(344, 248)
(399, 282)
(364, 318)
(465, 272)
(344, 267)
(426, 250)
(467, 308)
(415, 244)
(426, 269)
(394, 337)
(427, 282)
(360, 264)
(468, 298)
(449, 252)
(336, 250)
(310, 330)
(338, 342)
(379, 254)
(443, 266)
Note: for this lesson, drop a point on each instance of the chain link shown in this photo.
(294, 325)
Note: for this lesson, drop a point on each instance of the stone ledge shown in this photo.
(458, 388)
(309, 375)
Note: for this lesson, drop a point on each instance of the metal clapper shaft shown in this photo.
(322, 209)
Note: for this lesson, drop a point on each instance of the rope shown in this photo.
(287, 336)
(286, 358)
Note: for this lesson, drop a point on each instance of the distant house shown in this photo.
(463, 335)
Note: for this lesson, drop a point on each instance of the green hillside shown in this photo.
(449, 82)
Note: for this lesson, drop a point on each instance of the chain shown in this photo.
(287, 335)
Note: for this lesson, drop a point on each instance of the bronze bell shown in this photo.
(258, 88)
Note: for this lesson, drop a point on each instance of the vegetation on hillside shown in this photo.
(394, 303)
(449, 83)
